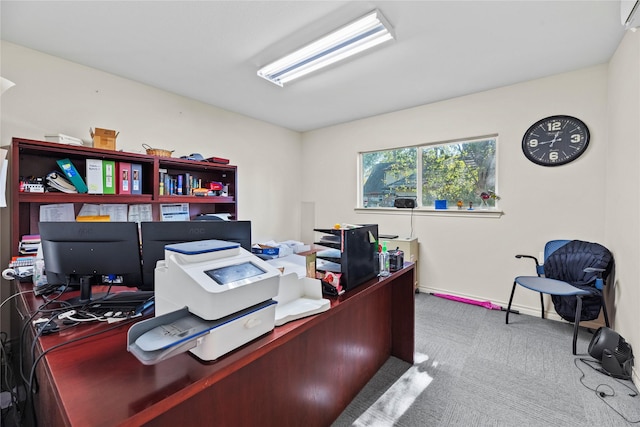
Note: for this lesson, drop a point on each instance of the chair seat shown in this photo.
(549, 286)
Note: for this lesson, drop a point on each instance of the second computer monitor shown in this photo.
(155, 235)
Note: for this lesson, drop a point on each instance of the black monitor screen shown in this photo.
(76, 250)
(155, 235)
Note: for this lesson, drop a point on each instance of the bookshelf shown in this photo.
(31, 158)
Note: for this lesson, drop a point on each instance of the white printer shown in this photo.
(211, 297)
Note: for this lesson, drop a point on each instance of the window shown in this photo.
(454, 171)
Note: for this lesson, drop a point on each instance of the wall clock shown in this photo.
(555, 140)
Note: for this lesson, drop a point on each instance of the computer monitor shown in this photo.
(155, 235)
(81, 253)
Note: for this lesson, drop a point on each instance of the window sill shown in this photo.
(466, 213)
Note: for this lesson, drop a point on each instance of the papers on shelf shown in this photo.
(116, 212)
(89, 210)
(60, 183)
(57, 212)
(174, 212)
(330, 253)
(140, 213)
(324, 265)
(28, 248)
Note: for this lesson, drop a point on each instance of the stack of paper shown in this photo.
(29, 244)
(58, 182)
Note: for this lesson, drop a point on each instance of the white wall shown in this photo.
(56, 96)
(474, 257)
(622, 228)
(594, 198)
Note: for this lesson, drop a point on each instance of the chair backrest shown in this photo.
(583, 265)
(552, 246)
(578, 262)
(549, 248)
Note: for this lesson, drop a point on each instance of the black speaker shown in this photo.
(404, 203)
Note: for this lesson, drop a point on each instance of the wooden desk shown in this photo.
(302, 373)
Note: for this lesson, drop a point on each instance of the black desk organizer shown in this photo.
(358, 250)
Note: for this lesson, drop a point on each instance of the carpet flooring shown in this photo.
(471, 369)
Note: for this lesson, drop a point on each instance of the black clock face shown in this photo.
(555, 140)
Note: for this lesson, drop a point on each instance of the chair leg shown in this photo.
(541, 306)
(576, 321)
(510, 300)
(604, 311)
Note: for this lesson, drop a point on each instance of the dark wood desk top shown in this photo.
(98, 382)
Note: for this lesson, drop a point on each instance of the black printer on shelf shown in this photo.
(353, 253)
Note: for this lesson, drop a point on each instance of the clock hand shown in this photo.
(550, 142)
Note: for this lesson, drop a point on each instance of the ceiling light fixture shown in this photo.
(361, 34)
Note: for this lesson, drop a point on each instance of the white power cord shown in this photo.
(9, 274)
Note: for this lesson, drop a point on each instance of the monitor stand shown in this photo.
(86, 296)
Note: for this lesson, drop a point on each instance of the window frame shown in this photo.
(483, 212)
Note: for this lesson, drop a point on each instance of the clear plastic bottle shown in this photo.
(384, 261)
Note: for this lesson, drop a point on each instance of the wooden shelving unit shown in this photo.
(30, 158)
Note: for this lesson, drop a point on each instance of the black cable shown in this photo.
(9, 381)
(601, 394)
(42, 309)
(411, 223)
(32, 375)
(30, 382)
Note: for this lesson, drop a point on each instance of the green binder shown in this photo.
(109, 177)
(72, 174)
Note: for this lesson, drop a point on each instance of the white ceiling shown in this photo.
(210, 50)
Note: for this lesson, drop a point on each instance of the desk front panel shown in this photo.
(309, 369)
(311, 378)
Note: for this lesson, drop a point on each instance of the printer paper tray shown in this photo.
(249, 323)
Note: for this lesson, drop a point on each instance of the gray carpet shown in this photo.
(473, 370)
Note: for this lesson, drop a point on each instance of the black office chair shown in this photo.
(574, 273)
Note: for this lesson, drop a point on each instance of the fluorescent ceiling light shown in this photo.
(362, 34)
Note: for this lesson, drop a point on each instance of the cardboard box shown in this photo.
(104, 138)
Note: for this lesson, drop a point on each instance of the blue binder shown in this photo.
(71, 172)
